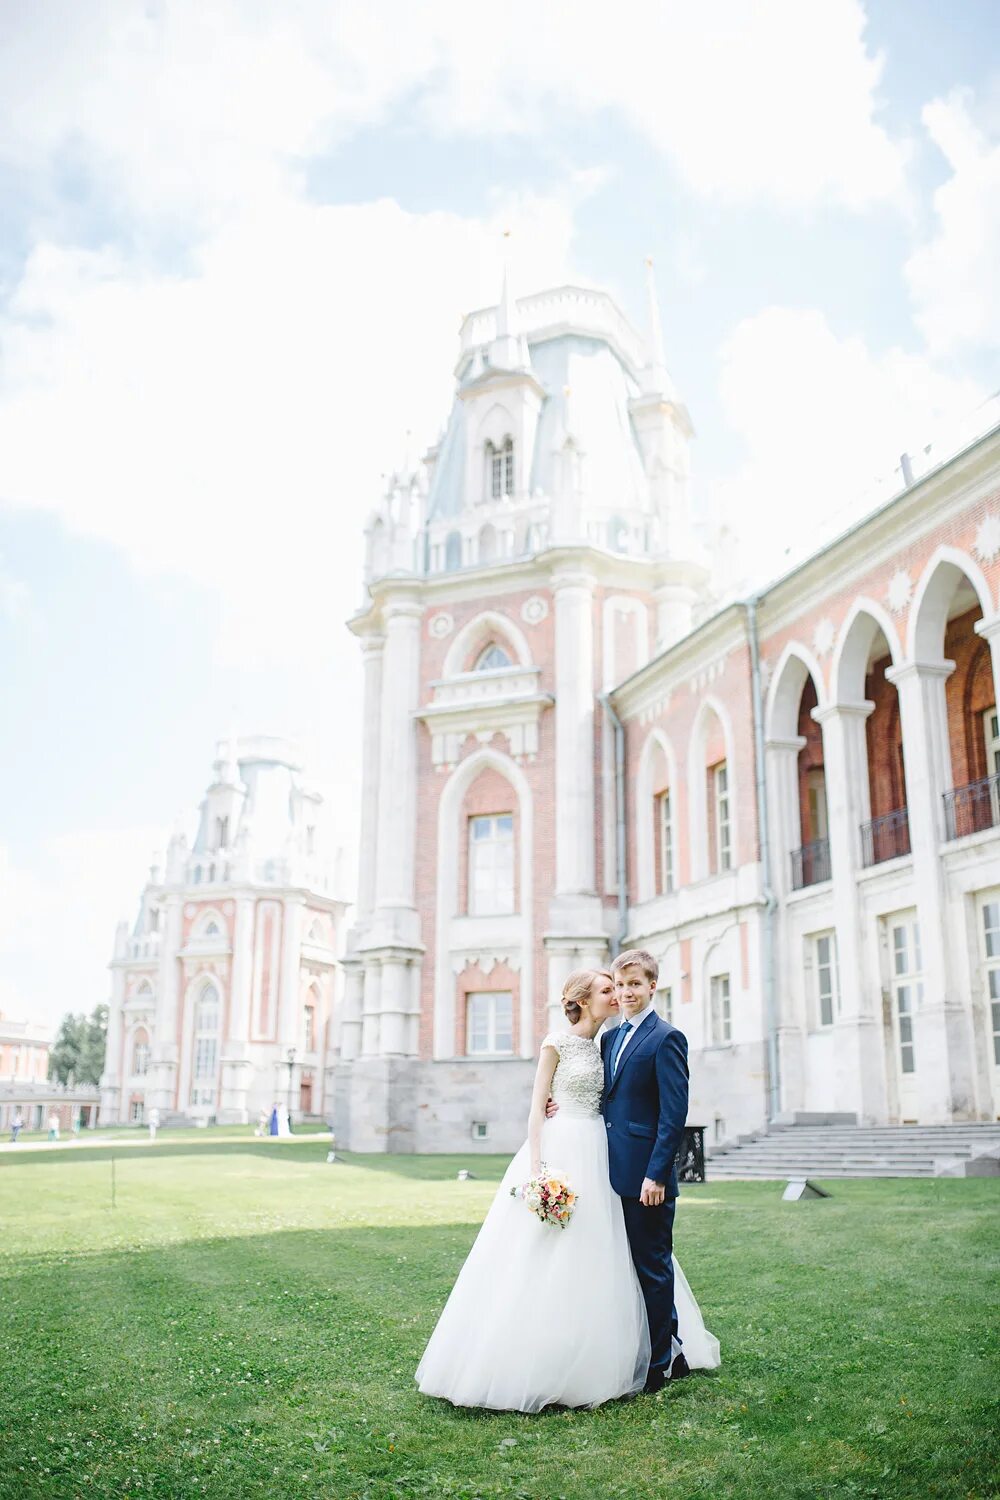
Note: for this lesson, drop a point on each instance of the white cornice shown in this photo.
(881, 535)
(670, 670)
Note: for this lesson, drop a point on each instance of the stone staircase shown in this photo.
(861, 1151)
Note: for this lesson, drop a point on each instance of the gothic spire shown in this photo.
(655, 379)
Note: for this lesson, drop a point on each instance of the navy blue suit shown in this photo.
(645, 1110)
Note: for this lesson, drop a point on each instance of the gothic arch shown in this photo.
(207, 919)
(449, 806)
(477, 634)
(698, 845)
(945, 571)
(795, 664)
(645, 841)
(496, 427)
(850, 658)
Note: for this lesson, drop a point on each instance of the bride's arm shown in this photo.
(547, 1059)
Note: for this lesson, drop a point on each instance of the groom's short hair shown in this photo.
(646, 962)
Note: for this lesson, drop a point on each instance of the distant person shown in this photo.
(262, 1120)
(274, 1127)
(153, 1121)
(16, 1126)
(53, 1126)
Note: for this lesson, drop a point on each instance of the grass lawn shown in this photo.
(246, 1320)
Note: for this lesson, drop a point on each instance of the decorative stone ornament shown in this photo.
(824, 636)
(534, 610)
(899, 591)
(441, 625)
(987, 543)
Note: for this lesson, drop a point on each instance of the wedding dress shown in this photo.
(546, 1316)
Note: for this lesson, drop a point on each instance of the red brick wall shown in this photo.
(886, 775)
(969, 693)
(731, 687)
(490, 793)
(472, 980)
(810, 756)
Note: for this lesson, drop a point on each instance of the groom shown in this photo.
(645, 1109)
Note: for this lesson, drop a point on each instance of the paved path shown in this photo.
(129, 1143)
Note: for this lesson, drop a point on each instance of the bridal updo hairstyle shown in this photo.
(577, 989)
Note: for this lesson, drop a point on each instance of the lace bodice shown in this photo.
(579, 1077)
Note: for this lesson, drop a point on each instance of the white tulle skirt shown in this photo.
(544, 1316)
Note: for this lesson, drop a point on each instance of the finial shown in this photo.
(654, 352)
(505, 351)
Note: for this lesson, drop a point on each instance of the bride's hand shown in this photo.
(551, 1109)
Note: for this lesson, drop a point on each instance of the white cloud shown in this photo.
(15, 595)
(84, 882)
(199, 104)
(823, 419)
(232, 423)
(953, 278)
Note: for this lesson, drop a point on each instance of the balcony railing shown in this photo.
(811, 864)
(971, 808)
(884, 838)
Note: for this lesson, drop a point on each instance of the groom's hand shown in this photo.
(551, 1108)
(653, 1193)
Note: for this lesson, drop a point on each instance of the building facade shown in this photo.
(224, 992)
(808, 836)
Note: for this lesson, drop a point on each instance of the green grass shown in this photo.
(246, 1320)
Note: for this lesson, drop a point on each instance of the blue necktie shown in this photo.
(623, 1032)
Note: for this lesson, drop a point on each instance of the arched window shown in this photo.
(500, 468)
(487, 544)
(309, 1027)
(492, 659)
(140, 1052)
(221, 833)
(205, 1046)
(452, 551)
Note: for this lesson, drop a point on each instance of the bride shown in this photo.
(520, 1330)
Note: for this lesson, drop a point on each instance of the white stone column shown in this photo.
(397, 774)
(574, 720)
(396, 1005)
(859, 1041)
(371, 1015)
(372, 651)
(168, 1003)
(353, 1002)
(288, 994)
(782, 763)
(241, 977)
(113, 1102)
(943, 1060)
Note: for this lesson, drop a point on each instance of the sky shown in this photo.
(236, 242)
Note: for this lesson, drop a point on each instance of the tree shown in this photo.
(77, 1054)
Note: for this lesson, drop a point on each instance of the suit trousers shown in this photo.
(651, 1239)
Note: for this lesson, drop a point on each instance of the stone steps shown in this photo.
(860, 1151)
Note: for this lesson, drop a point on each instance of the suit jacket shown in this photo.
(645, 1106)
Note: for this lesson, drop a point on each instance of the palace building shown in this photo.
(571, 745)
(224, 992)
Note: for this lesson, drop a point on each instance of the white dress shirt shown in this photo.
(626, 1044)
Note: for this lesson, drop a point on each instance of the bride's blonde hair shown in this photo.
(577, 989)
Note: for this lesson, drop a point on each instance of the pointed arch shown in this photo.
(932, 599)
(795, 664)
(487, 544)
(645, 842)
(210, 924)
(854, 644)
(449, 805)
(477, 634)
(698, 809)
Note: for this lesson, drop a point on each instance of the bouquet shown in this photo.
(548, 1196)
